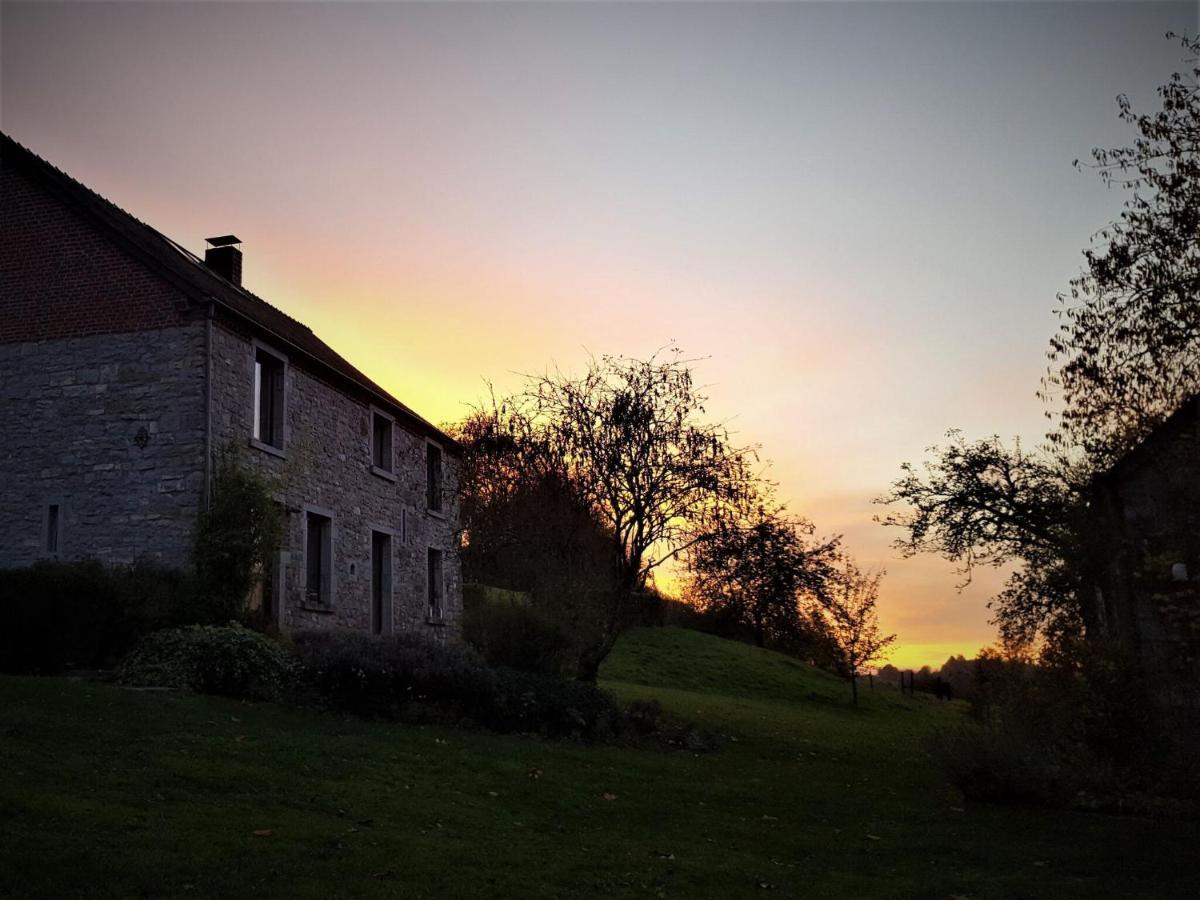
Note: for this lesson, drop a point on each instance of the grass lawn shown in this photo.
(107, 792)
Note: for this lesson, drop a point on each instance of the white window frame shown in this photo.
(256, 347)
(328, 603)
(388, 472)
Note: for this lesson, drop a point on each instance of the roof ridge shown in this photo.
(206, 283)
(184, 251)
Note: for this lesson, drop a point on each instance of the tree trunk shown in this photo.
(589, 666)
(854, 688)
(590, 659)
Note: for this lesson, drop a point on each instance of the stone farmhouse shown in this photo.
(127, 364)
(1145, 546)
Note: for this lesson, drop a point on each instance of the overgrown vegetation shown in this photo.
(762, 572)
(235, 536)
(508, 630)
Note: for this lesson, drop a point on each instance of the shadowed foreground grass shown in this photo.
(107, 792)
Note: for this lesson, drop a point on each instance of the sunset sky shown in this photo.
(859, 215)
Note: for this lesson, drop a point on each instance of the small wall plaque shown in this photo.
(142, 438)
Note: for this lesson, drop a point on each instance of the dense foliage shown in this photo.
(516, 635)
(410, 678)
(235, 536)
(529, 531)
(230, 661)
(57, 616)
(765, 572)
(395, 675)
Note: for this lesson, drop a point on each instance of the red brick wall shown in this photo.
(60, 276)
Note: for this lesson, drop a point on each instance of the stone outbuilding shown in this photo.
(127, 364)
(1145, 516)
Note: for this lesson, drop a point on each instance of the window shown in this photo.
(268, 398)
(434, 583)
(381, 442)
(52, 538)
(433, 476)
(318, 559)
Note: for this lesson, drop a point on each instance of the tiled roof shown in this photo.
(199, 283)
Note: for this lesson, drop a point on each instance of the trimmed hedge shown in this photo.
(59, 616)
(230, 660)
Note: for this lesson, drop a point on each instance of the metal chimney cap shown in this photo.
(224, 240)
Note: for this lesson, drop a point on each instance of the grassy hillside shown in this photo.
(114, 793)
(692, 661)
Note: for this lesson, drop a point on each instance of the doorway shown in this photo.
(381, 582)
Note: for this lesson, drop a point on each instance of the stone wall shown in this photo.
(326, 464)
(1151, 575)
(111, 427)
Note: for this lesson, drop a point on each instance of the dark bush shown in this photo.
(397, 676)
(229, 660)
(1008, 767)
(518, 637)
(57, 616)
(644, 717)
(410, 678)
(556, 707)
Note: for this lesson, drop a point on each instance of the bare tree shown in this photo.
(854, 621)
(630, 438)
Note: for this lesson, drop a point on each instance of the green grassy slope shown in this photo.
(692, 661)
(113, 793)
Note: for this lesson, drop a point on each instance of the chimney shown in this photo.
(224, 257)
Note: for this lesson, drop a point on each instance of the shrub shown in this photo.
(408, 677)
(230, 660)
(518, 637)
(399, 676)
(56, 616)
(1005, 766)
(552, 706)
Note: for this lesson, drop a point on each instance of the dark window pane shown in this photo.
(268, 399)
(381, 442)
(52, 528)
(318, 559)
(433, 475)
